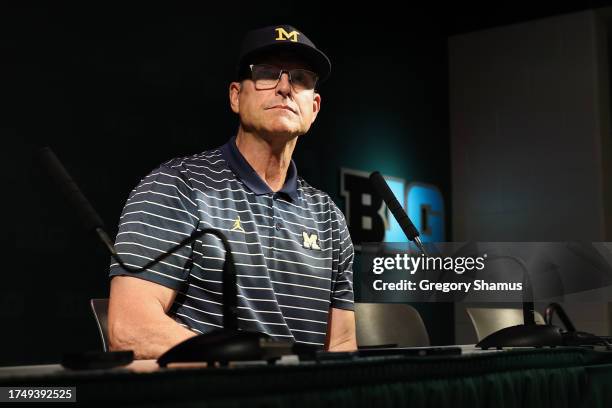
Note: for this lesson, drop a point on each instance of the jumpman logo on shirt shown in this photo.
(237, 226)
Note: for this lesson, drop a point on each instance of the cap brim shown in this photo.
(315, 58)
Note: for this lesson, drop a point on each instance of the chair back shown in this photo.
(389, 323)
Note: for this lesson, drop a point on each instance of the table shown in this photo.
(560, 377)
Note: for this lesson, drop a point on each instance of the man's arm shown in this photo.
(341, 330)
(137, 318)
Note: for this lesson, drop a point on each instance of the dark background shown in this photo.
(116, 91)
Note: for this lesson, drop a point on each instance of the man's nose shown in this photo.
(284, 84)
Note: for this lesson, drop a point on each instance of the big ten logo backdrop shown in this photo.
(370, 220)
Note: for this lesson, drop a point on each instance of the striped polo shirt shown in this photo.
(292, 248)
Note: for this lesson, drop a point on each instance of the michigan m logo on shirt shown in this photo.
(310, 241)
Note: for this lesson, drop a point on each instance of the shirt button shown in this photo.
(277, 226)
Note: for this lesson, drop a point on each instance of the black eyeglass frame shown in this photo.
(280, 74)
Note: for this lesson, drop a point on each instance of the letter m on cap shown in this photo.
(310, 241)
(283, 35)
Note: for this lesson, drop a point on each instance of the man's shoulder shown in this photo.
(207, 160)
(315, 196)
(310, 192)
(201, 172)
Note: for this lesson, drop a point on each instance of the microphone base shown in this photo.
(222, 346)
(523, 336)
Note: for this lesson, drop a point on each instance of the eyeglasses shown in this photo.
(268, 76)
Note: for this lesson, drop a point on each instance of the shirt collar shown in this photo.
(251, 179)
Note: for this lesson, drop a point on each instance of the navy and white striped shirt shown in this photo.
(292, 248)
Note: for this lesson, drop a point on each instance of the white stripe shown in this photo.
(343, 300)
(254, 232)
(156, 215)
(308, 210)
(307, 227)
(206, 269)
(306, 320)
(309, 342)
(148, 236)
(187, 172)
(315, 194)
(173, 186)
(303, 209)
(261, 254)
(258, 311)
(302, 297)
(256, 287)
(257, 204)
(256, 300)
(259, 321)
(152, 226)
(342, 290)
(203, 280)
(190, 188)
(249, 193)
(199, 321)
(153, 192)
(348, 247)
(300, 274)
(306, 331)
(183, 164)
(151, 248)
(304, 308)
(302, 286)
(209, 269)
(208, 161)
(203, 311)
(264, 236)
(279, 335)
(249, 276)
(148, 270)
(298, 252)
(204, 289)
(210, 154)
(161, 205)
(325, 268)
(239, 276)
(200, 299)
(343, 281)
(150, 259)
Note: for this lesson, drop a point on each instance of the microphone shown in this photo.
(382, 188)
(91, 220)
(220, 345)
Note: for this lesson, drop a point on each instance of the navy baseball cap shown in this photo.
(283, 38)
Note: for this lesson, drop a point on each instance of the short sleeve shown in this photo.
(342, 296)
(159, 213)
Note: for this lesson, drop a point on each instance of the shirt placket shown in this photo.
(276, 221)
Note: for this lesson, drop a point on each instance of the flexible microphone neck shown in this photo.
(92, 221)
(382, 188)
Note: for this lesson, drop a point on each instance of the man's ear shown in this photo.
(234, 96)
(316, 106)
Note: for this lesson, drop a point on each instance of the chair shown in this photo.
(488, 320)
(389, 323)
(99, 307)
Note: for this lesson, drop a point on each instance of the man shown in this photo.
(290, 242)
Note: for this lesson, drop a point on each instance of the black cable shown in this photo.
(93, 222)
(229, 294)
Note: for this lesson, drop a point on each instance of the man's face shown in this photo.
(280, 113)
